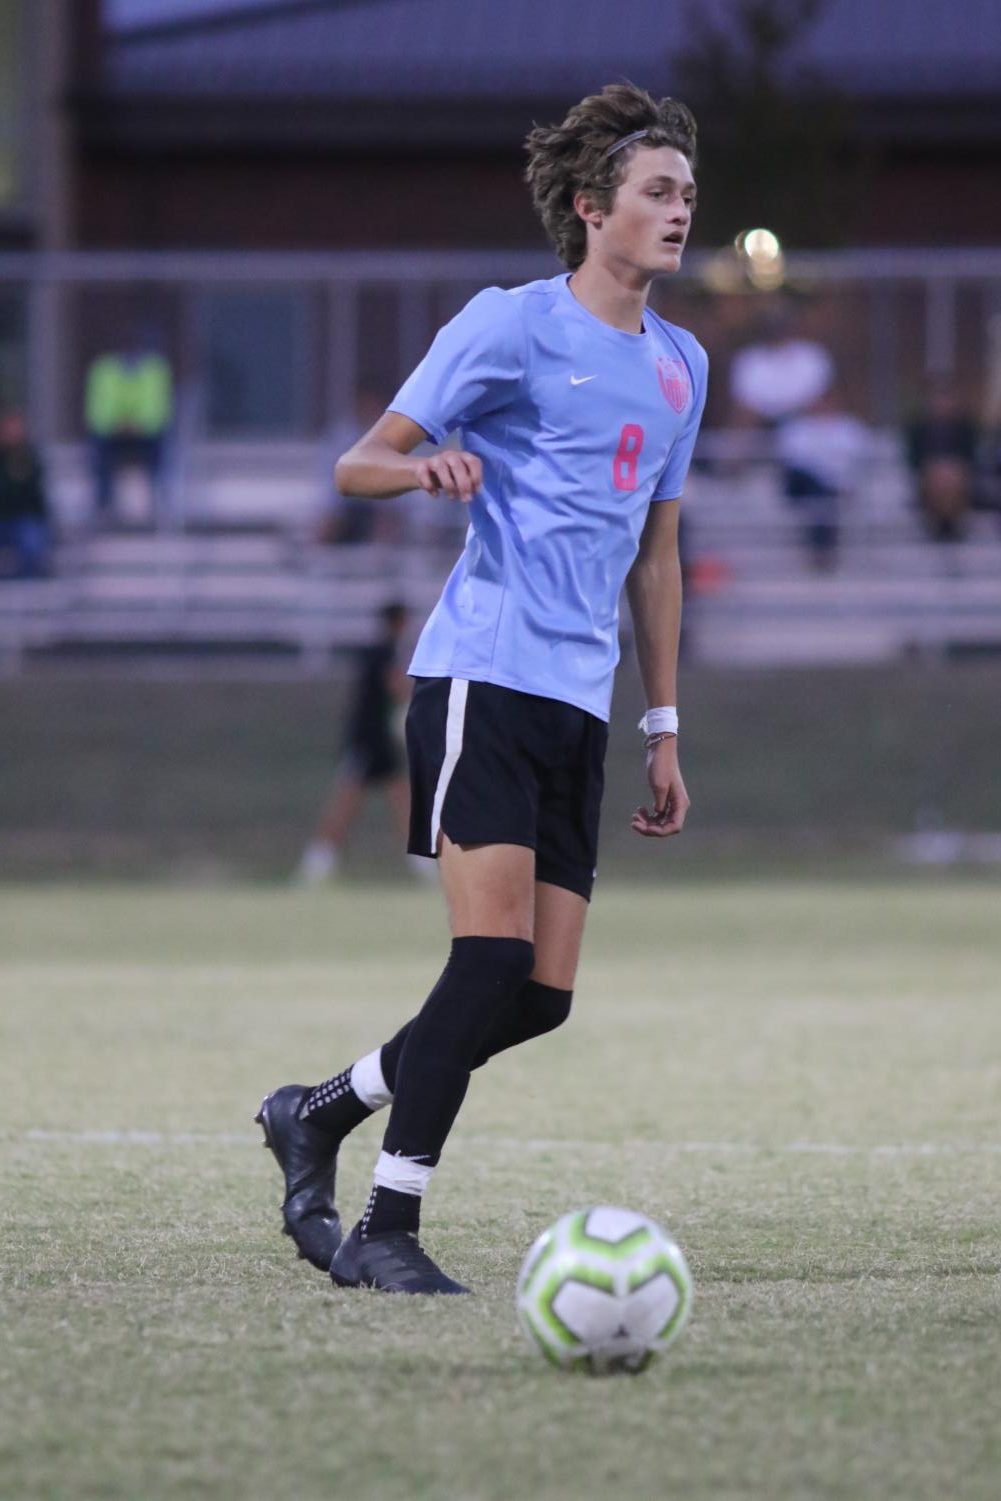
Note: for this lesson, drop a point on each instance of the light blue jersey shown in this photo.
(579, 426)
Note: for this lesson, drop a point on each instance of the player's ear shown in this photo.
(586, 209)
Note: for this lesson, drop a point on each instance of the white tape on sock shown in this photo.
(408, 1175)
(368, 1083)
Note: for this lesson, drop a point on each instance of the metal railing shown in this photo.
(893, 313)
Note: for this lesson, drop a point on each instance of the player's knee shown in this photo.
(550, 1007)
(513, 961)
(480, 980)
(498, 965)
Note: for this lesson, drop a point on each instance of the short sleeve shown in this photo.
(674, 473)
(473, 367)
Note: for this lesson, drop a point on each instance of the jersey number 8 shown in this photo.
(627, 457)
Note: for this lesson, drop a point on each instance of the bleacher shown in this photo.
(234, 571)
(230, 593)
(893, 592)
(231, 571)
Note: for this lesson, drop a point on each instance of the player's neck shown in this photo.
(608, 295)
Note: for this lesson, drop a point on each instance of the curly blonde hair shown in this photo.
(567, 159)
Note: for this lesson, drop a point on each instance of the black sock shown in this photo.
(535, 1010)
(333, 1106)
(389, 1210)
(442, 1044)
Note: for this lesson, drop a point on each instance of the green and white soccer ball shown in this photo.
(603, 1290)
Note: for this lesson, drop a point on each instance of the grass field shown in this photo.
(800, 1080)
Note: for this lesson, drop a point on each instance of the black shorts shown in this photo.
(491, 765)
(372, 761)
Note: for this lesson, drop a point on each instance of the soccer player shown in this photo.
(371, 759)
(578, 409)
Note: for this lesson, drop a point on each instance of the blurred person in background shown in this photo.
(128, 412)
(990, 497)
(779, 373)
(373, 757)
(821, 451)
(25, 529)
(942, 442)
(579, 408)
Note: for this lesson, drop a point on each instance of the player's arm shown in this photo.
(381, 464)
(654, 591)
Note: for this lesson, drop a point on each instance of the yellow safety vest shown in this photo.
(129, 396)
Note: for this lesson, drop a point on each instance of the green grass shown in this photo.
(800, 1080)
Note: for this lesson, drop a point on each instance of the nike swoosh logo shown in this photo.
(581, 380)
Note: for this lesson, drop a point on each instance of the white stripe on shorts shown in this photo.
(454, 725)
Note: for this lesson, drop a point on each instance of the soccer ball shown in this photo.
(603, 1290)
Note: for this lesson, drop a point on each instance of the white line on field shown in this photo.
(747, 1148)
(535, 1144)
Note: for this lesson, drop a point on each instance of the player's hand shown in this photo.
(456, 474)
(670, 800)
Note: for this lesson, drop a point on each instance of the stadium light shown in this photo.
(761, 251)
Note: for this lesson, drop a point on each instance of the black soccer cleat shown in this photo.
(394, 1263)
(308, 1158)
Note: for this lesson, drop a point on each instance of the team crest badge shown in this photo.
(673, 379)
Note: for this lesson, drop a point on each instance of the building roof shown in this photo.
(447, 49)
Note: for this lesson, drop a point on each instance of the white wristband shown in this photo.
(662, 721)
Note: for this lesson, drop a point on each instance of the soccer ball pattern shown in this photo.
(603, 1290)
